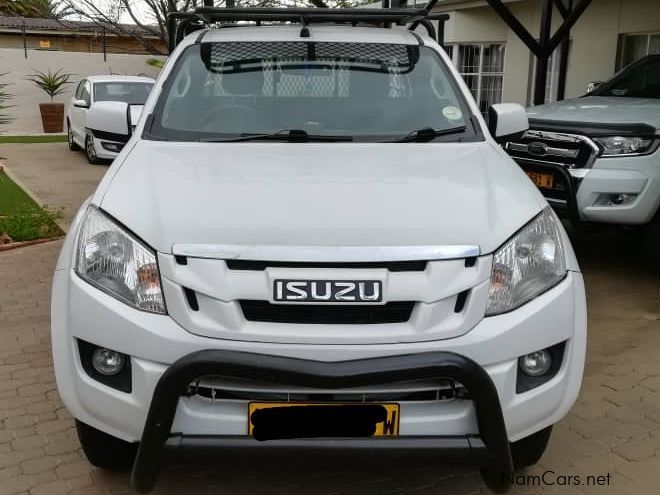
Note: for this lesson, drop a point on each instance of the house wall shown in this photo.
(594, 39)
(25, 110)
(72, 43)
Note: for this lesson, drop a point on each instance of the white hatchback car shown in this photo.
(312, 239)
(99, 146)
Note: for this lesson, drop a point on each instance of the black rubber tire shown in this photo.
(652, 243)
(72, 144)
(90, 152)
(105, 451)
(529, 450)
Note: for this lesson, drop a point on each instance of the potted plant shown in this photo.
(53, 84)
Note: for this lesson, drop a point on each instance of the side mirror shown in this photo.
(593, 85)
(80, 104)
(110, 120)
(506, 120)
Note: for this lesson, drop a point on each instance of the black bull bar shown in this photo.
(490, 448)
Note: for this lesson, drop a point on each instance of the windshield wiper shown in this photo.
(286, 135)
(427, 134)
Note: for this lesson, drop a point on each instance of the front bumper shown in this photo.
(490, 446)
(154, 342)
(577, 191)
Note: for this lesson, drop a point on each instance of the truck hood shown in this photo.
(319, 194)
(600, 109)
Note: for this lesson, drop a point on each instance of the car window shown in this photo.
(85, 93)
(79, 89)
(367, 91)
(639, 80)
(133, 93)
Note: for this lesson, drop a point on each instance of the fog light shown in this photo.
(107, 362)
(536, 363)
(114, 147)
(618, 199)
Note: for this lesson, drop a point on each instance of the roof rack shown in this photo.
(182, 23)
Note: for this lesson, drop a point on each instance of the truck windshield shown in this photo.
(639, 80)
(351, 91)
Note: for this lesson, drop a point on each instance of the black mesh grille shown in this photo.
(264, 311)
(227, 57)
(392, 266)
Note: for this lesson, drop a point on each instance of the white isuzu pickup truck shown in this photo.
(312, 239)
(597, 158)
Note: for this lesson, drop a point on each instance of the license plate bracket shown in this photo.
(285, 420)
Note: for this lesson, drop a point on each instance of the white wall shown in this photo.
(594, 39)
(27, 96)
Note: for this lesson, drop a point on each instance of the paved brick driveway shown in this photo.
(614, 429)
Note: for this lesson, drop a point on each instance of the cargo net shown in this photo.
(326, 67)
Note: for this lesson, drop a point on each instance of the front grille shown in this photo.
(392, 266)
(542, 147)
(327, 314)
(442, 391)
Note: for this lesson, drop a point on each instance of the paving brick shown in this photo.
(57, 487)
(73, 469)
(638, 449)
(39, 464)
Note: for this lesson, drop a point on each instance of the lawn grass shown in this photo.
(13, 198)
(56, 138)
(21, 218)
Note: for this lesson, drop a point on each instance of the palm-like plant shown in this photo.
(52, 83)
(4, 97)
(53, 9)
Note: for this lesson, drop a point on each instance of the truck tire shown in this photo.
(652, 243)
(528, 451)
(105, 451)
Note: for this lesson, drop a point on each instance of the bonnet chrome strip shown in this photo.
(324, 253)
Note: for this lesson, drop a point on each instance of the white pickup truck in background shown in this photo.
(596, 158)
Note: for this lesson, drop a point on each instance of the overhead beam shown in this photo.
(564, 52)
(567, 25)
(541, 76)
(512, 21)
(563, 10)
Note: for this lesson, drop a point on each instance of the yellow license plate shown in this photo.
(318, 417)
(544, 181)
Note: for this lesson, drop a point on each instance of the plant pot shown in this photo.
(52, 116)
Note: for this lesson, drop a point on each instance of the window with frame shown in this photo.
(632, 47)
(482, 68)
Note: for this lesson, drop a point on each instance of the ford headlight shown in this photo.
(113, 260)
(620, 145)
(528, 264)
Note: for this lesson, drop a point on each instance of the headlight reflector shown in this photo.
(113, 260)
(529, 263)
(620, 145)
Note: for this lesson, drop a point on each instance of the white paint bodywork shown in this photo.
(230, 200)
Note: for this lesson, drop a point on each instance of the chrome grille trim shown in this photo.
(548, 141)
(214, 389)
(325, 253)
